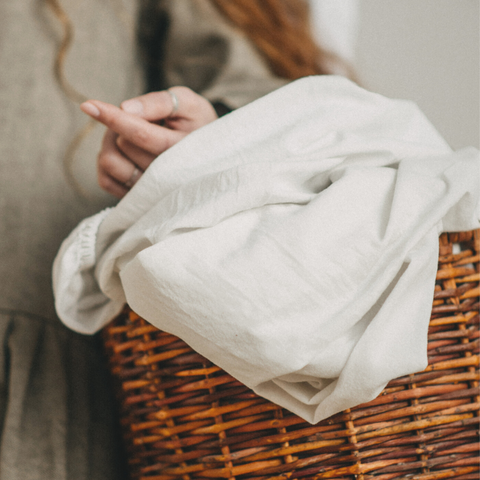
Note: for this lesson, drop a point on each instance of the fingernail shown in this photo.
(132, 106)
(90, 109)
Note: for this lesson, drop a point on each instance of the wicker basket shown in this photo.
(185, 418)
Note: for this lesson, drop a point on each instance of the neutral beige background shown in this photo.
(426, 51)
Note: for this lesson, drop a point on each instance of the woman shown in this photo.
(278, 30)
(56, 415)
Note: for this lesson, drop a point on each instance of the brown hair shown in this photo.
(65, 44)
(280, 29)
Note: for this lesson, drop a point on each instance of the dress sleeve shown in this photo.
(74, 284)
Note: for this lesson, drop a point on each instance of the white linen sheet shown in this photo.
(293, 242)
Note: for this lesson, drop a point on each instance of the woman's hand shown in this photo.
(135, 136)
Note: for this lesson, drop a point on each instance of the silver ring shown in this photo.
(133, 178)
(175, 103)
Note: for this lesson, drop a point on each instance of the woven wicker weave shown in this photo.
(185, 418)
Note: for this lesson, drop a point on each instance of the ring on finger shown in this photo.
(175, 103)
(133, 178)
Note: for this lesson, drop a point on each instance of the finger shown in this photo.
(150, 137)
(137, 155)
(113, 164)
(112, 186)
(174, 103)
(155, 106)
(152, 106)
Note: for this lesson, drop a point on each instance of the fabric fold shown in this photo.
(292, 242)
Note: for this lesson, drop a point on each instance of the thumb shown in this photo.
(176, 103)
(172, 103)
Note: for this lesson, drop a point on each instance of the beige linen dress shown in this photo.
(57, 416)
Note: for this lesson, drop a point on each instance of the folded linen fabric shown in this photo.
(293, 242)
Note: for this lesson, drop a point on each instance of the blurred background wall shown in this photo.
(422, 50)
